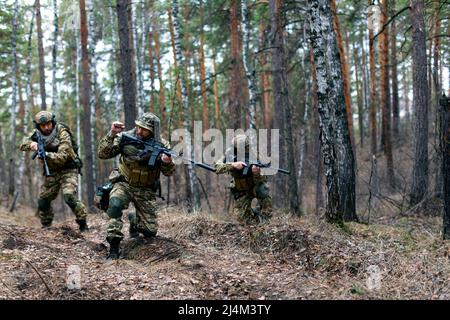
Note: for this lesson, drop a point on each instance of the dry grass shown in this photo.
(210, 256)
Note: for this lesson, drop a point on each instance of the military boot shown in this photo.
(114, 252)
(134, 233)
(83, 225)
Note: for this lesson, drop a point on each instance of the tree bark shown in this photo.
(265, 78)
(162, 94)
(195, 198)
(248, 67)
(85, 99)
(445, 104)
(335, 138)
(359, 96)
(205, 111)
(281, 100)
(373, 97)
(127, 65)
(216, 96)
(345, 72)
(12, 148)
(54, 55)
(41, 55)
(395, 96)
(386, 140)
(420, 103)
(235, 120)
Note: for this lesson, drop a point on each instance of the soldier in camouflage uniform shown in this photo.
(64, 165)
(134, 181)
(246, 188)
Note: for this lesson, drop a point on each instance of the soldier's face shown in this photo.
(143, 133)
(46, 128)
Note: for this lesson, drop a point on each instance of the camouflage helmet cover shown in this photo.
(43, 117)
(150, 122)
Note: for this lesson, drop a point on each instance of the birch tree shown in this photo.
(41, 55)
(335, 138)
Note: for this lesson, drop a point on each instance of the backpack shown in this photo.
(75, 147)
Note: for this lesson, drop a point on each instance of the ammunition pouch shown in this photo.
(243, 184)
(101, 199)
(262, 191)
(139, 176)
(236, 193)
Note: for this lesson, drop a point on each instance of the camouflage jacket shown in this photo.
(109, 147)
(239, 181)
(60, 153)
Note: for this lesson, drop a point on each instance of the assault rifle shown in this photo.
(250, 163)
(155, 149)
(41, 152)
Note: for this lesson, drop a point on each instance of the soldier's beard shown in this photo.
(47, 132)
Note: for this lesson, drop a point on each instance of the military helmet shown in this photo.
(150, 122)
(43, 117)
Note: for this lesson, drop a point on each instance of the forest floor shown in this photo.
(201, 256)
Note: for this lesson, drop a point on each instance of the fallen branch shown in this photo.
(40, 276)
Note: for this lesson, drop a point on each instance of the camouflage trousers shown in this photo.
(243, 205)
(144, 201)
(66, 180)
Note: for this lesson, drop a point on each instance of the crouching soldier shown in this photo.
(134, 180)
(246, 187)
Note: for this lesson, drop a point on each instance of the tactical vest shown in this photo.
(52, 143)
(136, 171)
(242, 183)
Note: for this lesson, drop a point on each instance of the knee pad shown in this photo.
(262, 191)
(116, 205)
(44, 205)
(71, 200)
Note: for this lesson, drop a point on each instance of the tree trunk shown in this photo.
(359, 96)
(138, 54)
(335, 138)
(373, 97)
(440, 112)
(249, 68)
(205, 111)
(41, 55)
(395, 96)
(265, 78)
(195, 198)
(118, 108)
(152, 72)
(420, 103)
(216, 96)
(281, 100)
(386, 140)
(235, 120)
(54, 55)
(127, 65)
(94, 94)
(445, 105)
(85, 98)
(29, 85)
(405, 82)
(12, 146)
(316, 135)
(345, 72)
(162, 96)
